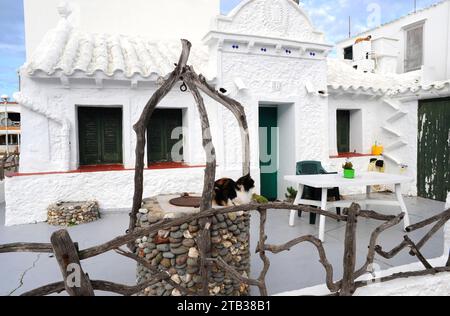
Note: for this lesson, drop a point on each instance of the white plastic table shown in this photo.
(329, 181)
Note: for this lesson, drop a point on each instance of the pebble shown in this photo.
(187, 234)
(180, 250)
(176, 234)
(192, 262)
(188, 242)
(165, 262)
(176, 278)
(193, 253)
(193, 228)
(163, 247)
(220, 217)
(232, 228)
(180, 260)
(168, 255)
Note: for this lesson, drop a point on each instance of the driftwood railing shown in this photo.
(69, 256)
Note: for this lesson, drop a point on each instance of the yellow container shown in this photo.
(377, 150)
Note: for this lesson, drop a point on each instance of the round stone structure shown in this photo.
(175, 250)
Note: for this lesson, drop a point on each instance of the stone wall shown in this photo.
(72, 213)
(176, 251)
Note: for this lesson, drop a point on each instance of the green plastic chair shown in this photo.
(309, 193)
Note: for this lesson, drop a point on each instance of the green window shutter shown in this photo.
(100, 135)
(343, 131)
(433, 178)
(159, 134)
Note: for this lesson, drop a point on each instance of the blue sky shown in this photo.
(330, 16)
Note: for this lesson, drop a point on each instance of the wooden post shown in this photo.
(67, 256)
(348, 281)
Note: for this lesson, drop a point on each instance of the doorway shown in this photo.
(268, 152)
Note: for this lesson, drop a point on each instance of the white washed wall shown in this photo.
(436, 40)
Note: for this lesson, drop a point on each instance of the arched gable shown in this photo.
(270, 18)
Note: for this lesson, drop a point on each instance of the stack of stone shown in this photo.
(72, 213)
(176, 251)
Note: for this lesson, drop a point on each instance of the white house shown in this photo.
(86, 83)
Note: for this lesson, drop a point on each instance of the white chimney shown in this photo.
(385, 52)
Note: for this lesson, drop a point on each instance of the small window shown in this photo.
(349, 131)
(414, 48)
(348, 53)
(165, 136)
(343, 131)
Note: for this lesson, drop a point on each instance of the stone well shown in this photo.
(176, 251)
(72, 213)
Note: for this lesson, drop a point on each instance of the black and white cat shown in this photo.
(228, 192)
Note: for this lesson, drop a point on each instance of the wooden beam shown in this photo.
(67, 256)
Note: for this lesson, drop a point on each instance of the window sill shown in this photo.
(352, 155)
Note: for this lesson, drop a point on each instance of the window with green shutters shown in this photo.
(159, 135)
(100, 135)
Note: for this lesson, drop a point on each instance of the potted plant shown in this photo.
(349, 172)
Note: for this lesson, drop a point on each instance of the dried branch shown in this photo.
(233, 273)
(391, 254)
(262, 253)
(348, 280)
(141, 127)
(158, 275)
(26, 247)
(48, 289)
(373, 243)
(417, 253)
(402, 275)
(445, 218)
(427, 222)
(333, 287)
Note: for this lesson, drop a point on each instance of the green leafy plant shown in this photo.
(348, 166)
(291, 194)
(259, 199)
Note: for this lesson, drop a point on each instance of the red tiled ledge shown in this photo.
(116, 167)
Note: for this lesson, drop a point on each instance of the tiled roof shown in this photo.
(341, 75)
(66, 50)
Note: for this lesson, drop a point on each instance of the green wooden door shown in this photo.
(100, 135)
(268, 144)
(343, 131)
(159, 134)
(433, 170)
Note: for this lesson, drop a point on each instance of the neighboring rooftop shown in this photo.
(342, 76)
(395, 20)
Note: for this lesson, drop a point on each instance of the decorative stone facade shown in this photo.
(176, 251)
(72, 213)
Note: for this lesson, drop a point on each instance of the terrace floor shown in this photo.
(296, 269)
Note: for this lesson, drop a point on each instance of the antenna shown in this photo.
(349, 27)
(415, 6)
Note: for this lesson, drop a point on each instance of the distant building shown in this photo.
(9, 127)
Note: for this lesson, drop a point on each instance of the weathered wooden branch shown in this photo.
(166, 224)
(445, 218)
(26, 247)
(333, 287)
(262, 252)
(141, 127)
(48, 289)
(417, 253)
(233, 273)
(69, 263)
(402, 275)
(158, 275)
(348, 281)
(373, 243)
(234, 107)
(204, 248)
(427, 222)
(391, 254)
